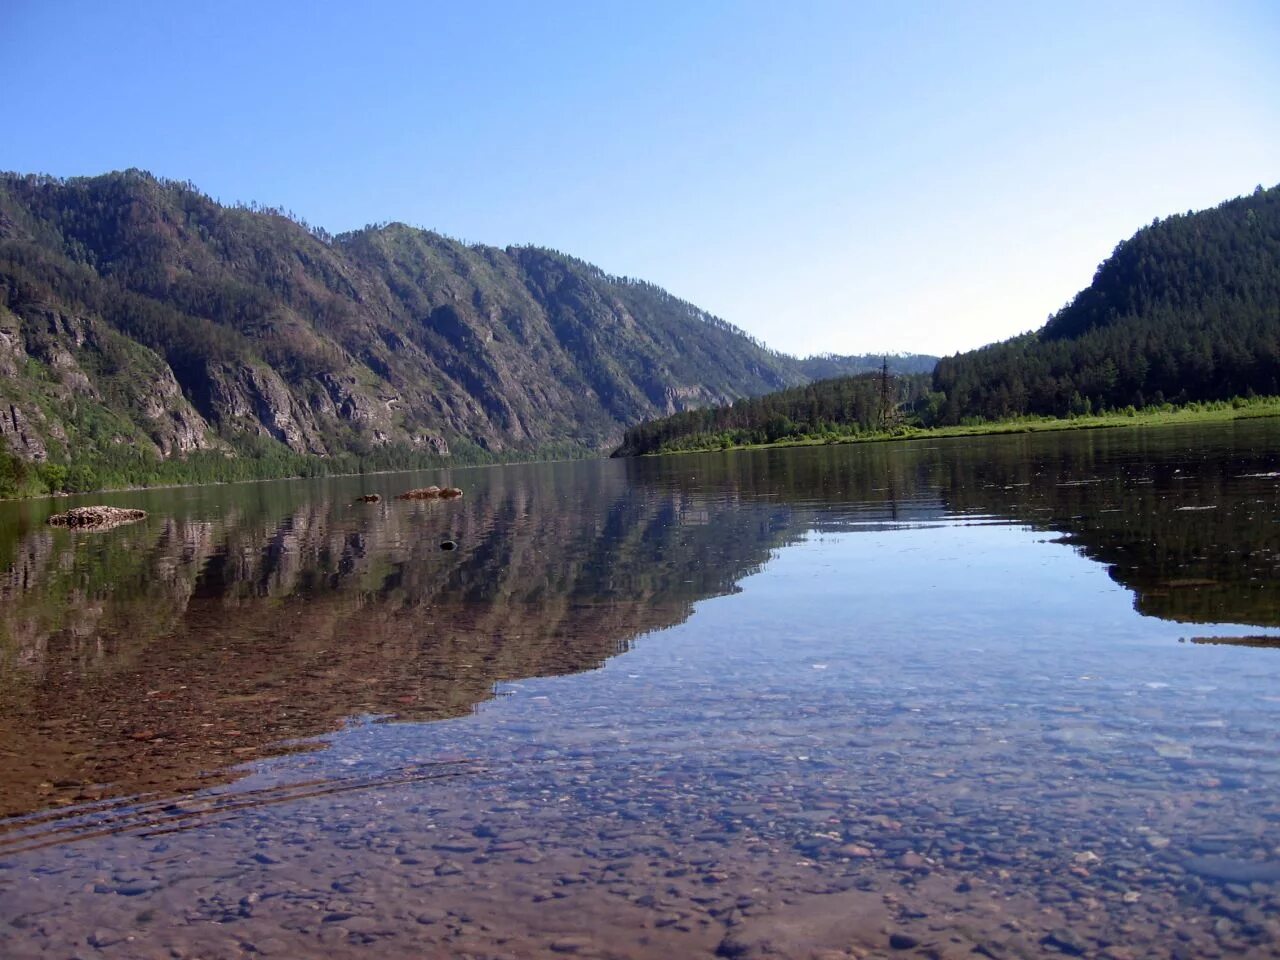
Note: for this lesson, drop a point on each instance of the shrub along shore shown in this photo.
(1216, 411)
(19, 480)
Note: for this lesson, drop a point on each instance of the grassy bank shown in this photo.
(1218, 411)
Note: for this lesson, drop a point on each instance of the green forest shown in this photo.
(826, 410)
(149, 335)
(1184, 314)
(1187, 309)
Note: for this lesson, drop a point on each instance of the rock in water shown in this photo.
(97, 518)
(368, 498)
(1229, 870)
(421, 493)
(431, 493)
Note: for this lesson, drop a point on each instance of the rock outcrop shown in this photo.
(97, 518)
(140, 314)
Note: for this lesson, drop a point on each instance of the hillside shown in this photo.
(826, 366)
(1186, 309)
(142, 323)
(828, 409)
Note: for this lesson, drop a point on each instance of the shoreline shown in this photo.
(63, 495)
(1256, 411)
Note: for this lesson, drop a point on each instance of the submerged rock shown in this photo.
(1230, 870)
(97, 517)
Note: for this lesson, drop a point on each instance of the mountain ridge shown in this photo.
(1187, 308)
(141, 321)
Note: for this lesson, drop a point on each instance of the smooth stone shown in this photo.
(1066, 941)
(1231, 870)
(369, 925)
(456, 846)
(571, 944)
(105, 938)
(855, 851)
(135, 889)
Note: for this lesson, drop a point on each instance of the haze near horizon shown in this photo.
(832, 178)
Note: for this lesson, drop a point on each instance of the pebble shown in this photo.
(1066, 941)
(571, 944)
(1232, 870)
(105, 938)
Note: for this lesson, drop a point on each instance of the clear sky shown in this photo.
(837, 176)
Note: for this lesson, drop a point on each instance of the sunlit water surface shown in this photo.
(1012, 695)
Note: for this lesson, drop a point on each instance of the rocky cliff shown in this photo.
(139, 318)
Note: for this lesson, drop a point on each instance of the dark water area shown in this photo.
(1006, 697)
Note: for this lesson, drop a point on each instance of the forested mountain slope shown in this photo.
(1186, 309)
(825, 366)
(841, 406)
(140, 320)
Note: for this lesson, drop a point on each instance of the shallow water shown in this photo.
(1016, 695)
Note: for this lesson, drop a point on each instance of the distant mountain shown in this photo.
(1186, 309)
(141, 321)
(825, 366)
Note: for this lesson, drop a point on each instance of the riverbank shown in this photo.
(1212, 412)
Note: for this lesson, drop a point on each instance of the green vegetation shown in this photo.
(845, 407)
(1211, 411)
(1187, 309)
(256, 459)
(1182, 321)
(827, 366)
(149, 334)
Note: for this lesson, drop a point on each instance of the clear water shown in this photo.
(1016, 695)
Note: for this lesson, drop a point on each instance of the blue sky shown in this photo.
(829, 176)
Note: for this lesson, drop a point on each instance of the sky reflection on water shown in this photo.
(861, 691)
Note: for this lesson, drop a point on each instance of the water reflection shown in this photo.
(1185, 518)
(159, 656)
(876, 696)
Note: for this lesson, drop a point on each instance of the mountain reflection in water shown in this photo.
(239, 622)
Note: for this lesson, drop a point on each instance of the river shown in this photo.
(1017, 695)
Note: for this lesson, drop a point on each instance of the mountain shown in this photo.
(142, 323)
(1186, 309)
(825, 366)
